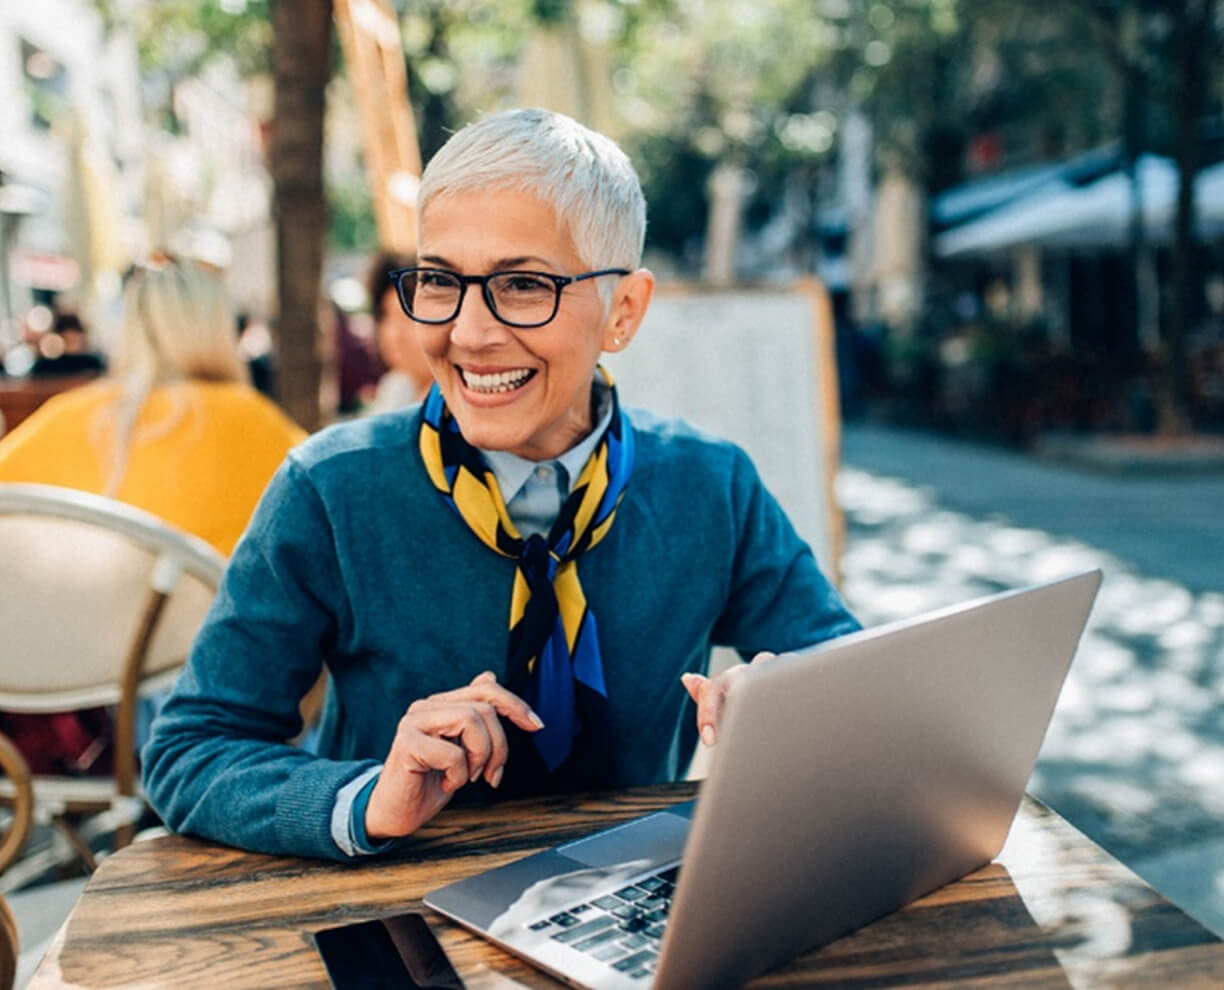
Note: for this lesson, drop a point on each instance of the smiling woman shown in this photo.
(390, 550)
(524, 390)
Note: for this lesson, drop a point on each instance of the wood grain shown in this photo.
(1054, 911)
(21, 396)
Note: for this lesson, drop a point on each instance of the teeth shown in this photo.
(502, 381)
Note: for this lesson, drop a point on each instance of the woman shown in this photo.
(406, 379)
(508, 582)
(175, 429)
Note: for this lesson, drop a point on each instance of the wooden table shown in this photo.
(1054, 911)
(21, 396)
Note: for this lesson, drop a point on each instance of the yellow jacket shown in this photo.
(200, 456)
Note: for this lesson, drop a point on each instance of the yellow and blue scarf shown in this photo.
(554, 662)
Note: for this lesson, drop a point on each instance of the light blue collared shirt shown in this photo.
(534, 492)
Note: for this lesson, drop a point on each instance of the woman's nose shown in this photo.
(475, 325)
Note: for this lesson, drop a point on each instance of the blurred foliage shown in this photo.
(461, 56)
(183, 36)
(1022, 80)
(550, 11)
(701, 82)
(950, 86)
(351, 225)
(179, 39)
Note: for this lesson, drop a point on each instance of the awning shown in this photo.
(1093, 215)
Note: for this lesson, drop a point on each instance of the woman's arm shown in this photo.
(219, 763)
(779, 600)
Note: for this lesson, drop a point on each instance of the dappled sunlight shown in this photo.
(1135, 753)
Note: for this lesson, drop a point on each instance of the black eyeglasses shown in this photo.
(517, 299)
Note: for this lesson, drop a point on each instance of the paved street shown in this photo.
(1135, 755)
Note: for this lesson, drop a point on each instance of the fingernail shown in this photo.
(707, 735)
(535, 719)
(497, 776)
(476, 775)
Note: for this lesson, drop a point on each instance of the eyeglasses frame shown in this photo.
(396, 278)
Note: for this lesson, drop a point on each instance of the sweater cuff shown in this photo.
(358, 800)
(305, 805)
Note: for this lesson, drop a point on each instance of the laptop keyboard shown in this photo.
(623, 929)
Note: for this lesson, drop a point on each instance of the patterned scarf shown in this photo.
(554, 659)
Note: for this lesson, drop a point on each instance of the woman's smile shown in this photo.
(495, 382)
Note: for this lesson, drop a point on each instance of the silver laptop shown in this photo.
(848, 780)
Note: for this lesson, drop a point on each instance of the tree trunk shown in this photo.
(301, 67)
(1141, 337)
(1192, 45)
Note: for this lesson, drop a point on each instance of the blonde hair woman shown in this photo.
(175, 429)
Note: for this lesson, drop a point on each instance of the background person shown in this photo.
(357, 368)
(407, 377)
(65, 350)
(507, 584)
(175, 429)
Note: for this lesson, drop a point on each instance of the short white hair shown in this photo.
(581, 174)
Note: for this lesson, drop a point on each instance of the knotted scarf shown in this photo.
(554, 656)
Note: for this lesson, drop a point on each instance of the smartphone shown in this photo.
(399, 952)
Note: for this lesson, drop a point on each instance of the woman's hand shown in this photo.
(710, 693)
(443, 742)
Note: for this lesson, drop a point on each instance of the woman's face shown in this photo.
(547, 409)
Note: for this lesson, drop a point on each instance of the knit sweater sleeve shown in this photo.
(778, 600)
(219, 763)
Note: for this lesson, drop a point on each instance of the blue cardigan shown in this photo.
(354, 561)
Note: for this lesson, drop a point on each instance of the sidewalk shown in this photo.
(1136, 454)
(1135, 754)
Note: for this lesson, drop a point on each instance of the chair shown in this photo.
(99, 603)
(19, 801)
(10, 946)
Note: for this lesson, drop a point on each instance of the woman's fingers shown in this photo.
(419, 775)
(471, 724)
(484, 687)
(710, 694)
(431, 753)
(443, 742)
(692, 684)
(470, 715)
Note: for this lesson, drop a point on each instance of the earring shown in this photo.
(616, 341)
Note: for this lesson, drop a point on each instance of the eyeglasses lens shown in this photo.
(520, 297)
(516, 298)
(432, 296)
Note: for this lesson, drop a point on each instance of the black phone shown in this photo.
(400, 952)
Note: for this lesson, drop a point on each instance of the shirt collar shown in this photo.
(513, 471)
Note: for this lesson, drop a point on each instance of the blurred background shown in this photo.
(998, 196)
(1017, 211)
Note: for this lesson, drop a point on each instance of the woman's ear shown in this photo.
(628, 307)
